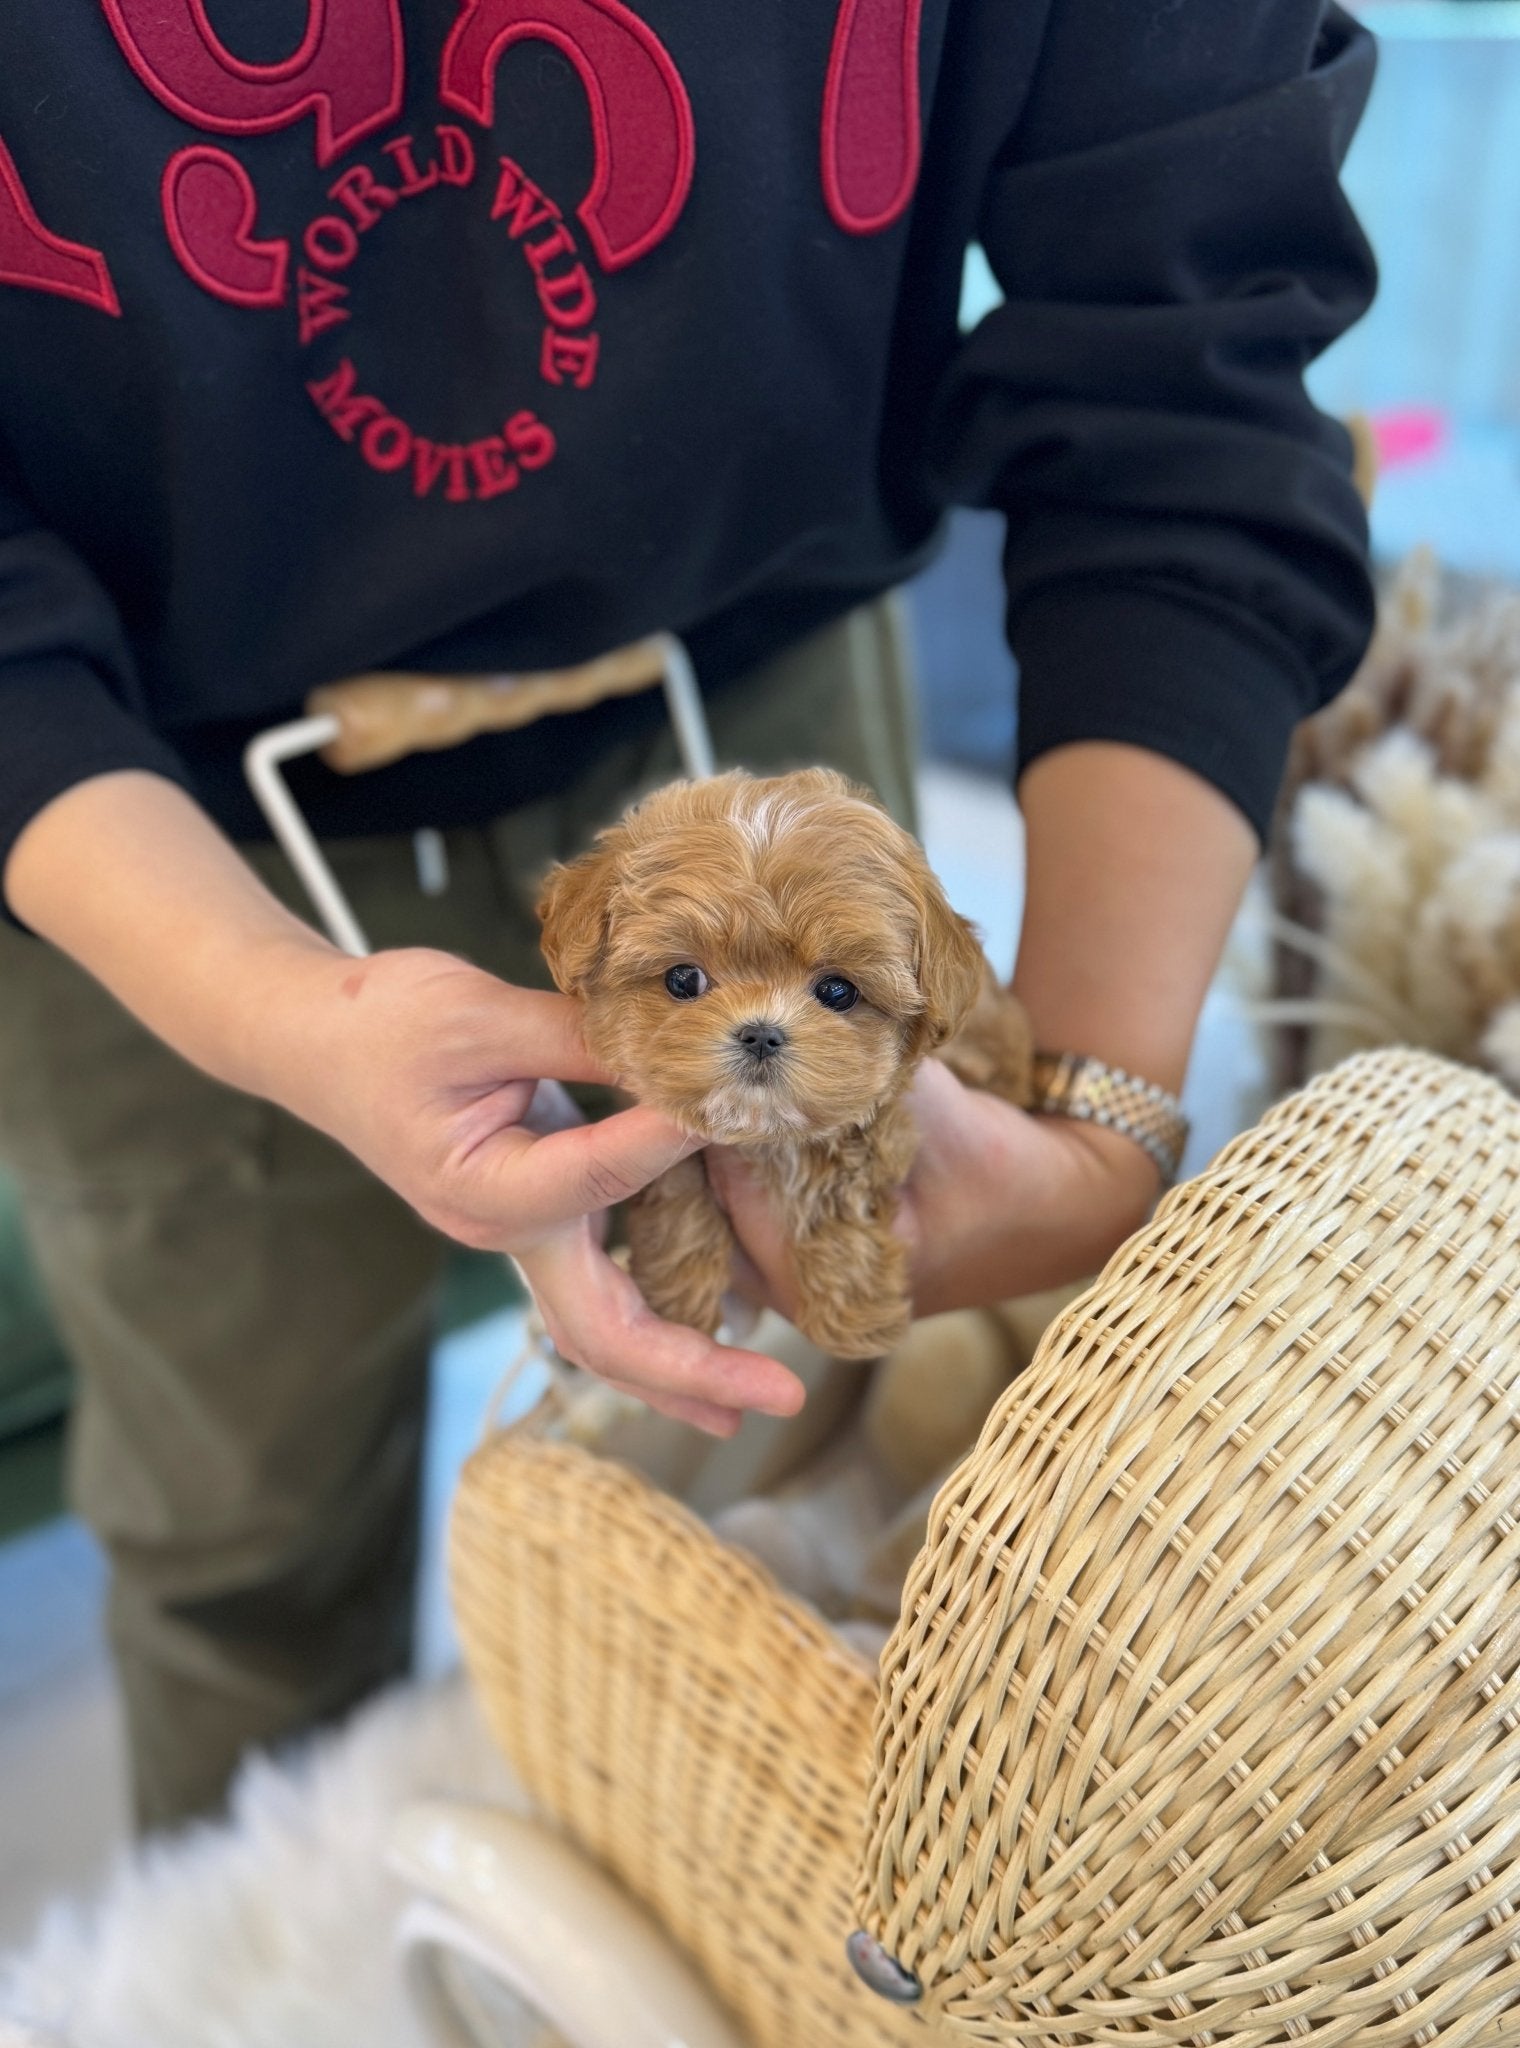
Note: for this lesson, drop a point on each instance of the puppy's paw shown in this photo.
(860, 1320)
(681, 1248)
(849, 1330)
(994, 1048)
(681, 1297)
(852, 1288)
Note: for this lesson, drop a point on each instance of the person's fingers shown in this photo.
(552, 1109)
(543, 1183)
(542, 1035)
(704, 1415)
(945, 1112)
(763, 1269)
(598, 1319)
(746, 1280)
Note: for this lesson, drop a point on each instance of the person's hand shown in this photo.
(443, 1080)
(437, 1076)
(998, 1203)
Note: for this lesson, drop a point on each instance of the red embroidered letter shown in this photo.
(569, 301)
(429, 460)
(870, 114)
(44, 262)
(568, 355)
(456, 156)
(209, 208)
(493, 473)
(319, 303)
(341, 404)
(349, 69)
(413, 181)
(518, 196)
(330, 242)
(640, 115)
(529, 440)
(386, 442)
(363, 195)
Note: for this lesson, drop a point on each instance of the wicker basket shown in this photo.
(1202, 1723)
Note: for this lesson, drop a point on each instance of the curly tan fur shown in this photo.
(769, 886)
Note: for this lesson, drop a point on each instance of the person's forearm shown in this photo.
(130, 878)
(1136, 867)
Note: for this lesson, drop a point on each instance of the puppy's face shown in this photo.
(760, 959)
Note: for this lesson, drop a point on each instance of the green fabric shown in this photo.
(250, 1313)
(31, 1477)
(475, 1285)
(35, 1384)
(34, 1373)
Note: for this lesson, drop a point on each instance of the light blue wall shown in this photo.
(1434, 175)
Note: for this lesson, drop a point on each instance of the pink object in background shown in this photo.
(1409, 433)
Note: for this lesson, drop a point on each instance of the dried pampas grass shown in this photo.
(1396, 861)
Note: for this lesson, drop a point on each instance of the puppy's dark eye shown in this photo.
(686, 983)
(835, 993)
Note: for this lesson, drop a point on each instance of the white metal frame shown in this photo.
(265, 759)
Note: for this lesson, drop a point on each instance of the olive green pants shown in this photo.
(250, 1313)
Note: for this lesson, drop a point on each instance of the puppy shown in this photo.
(768, 961)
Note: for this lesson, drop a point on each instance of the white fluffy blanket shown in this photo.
(272, 1930)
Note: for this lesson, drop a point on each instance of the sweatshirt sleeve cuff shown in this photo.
(1107, 661)
(60, 725)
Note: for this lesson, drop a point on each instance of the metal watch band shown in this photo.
(1070, 1084)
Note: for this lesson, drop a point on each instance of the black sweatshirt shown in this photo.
(490, 334)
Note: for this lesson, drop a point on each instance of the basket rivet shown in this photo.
(882, 1973)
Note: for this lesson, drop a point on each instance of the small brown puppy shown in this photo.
(767, 961)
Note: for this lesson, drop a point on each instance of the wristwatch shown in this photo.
(1070, 1084)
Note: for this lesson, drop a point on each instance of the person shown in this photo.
(487, 335)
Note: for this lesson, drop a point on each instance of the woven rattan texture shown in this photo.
(1203, 1721)
(705, 1738)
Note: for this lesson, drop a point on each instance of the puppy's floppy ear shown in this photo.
(573, 907)
(950, 967)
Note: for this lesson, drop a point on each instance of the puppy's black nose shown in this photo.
(760, 1039)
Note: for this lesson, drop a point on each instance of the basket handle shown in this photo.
(381, 718)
